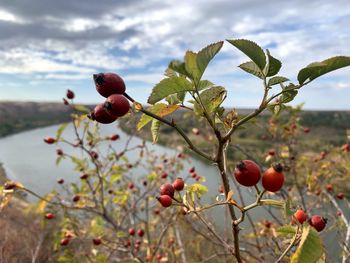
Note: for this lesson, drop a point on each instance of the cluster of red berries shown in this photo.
(137, 243)
(132, 232)
(167, 191)
(317, 222)
(247, 173)
(68, 236)
(194, 174)
(112, 87)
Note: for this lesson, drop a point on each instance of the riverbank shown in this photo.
(16, 116)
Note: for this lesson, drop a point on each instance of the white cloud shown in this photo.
(9, 17)
(62, 40)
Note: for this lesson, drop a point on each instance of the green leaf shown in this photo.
(173, 99)
(79, 164)
(211, 99)
(289, 95)
(196, 63)
(252, 50)
(170, 73)
(272, 202)
(58, 160)
(169, 86)
(152, 176)
(205, 55)
(160, 109)
(155, 130)
(81, 108)
(198, 189)
(191, 65)
(179, 67)
(60, 130)
(204, 84)
(287, 211)
(274, 65)
(252, 68)
(310, 247)
(317, 69)
(121, 234)
(278, 109)
(286, 230)
(276, 80)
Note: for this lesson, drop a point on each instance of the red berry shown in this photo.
(307, 130)
(323, 155)
(273, 178)
(340, 195)
(180, 155)
(179, 184)
(131, 185)
(329, 187)
(346, 147)
(60, 181)
(247, 173)
(140, 232)
(164, 175)
(165, 200)
(65, 102)
(84, 176)
(195, 131)
(70, 94)
(78, 142)
(68, 234)
(300, 215)
(64, 241)
(167, 189)
(192, 170)
(198, 178)
(194, 175)
(131, 231)
(50, 140)
(318, 222)
(97, 241)
(101, 115)
(156, 211)
(338, 213)
(114, 137)
(108, 84)
(94, 155)
(271, 152)
(49, 216)
(76, 198)
(10, 185)
(117, 105)
(267, 223)
(59, 152)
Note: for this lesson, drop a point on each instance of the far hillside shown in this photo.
(21, 116)
(328, 128)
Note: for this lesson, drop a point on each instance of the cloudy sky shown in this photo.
(48, 46)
